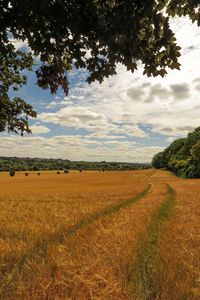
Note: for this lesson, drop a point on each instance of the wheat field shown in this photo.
(99, 235)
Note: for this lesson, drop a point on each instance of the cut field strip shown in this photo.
(40, 248)
(147, 176)
(143, 275)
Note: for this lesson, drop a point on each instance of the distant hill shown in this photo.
(182, 156)
(36, 164)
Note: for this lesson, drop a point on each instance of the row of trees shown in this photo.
(182, 156)
(37, 164)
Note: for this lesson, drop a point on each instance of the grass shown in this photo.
(145, 272)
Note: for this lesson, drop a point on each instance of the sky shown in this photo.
(129, 117)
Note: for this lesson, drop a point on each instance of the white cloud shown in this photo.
(102, 135)
(130, 130)
(88, 118)
(75, 148)
(19, 44)
(36, 129)
(80, 117)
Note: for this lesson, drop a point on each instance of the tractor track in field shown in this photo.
(147, 176)
(143, 274)
(40, 248)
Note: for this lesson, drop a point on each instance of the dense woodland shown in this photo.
(37, 164)
(182, 156)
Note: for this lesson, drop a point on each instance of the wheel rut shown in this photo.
(40, 248)
(145, 271)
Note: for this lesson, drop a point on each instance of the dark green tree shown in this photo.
(157, 161)
(14, 113)
(192, 139)
(182, 156)
(12, 172)
(91, 34)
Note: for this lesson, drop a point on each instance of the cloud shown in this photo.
(135, 93)
(102, 135)
(196, 81)
(159, 92)
(180, 91)
(130, 130)
(19, 44)
(75, 148)
(86, 118)
(36, 129)
(148, 92)
(79, 117)
(175, 131)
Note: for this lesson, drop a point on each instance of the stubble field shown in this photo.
(99, 235)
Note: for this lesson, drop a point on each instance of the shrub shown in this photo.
(12, 173)
(66, 171)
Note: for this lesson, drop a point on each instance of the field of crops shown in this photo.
(99, 235)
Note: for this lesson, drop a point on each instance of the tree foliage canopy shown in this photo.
(91, 34)
(182, 156)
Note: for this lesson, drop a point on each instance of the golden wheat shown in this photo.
(80, 236)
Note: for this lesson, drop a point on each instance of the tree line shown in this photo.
(182, 156)
(38, 164)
